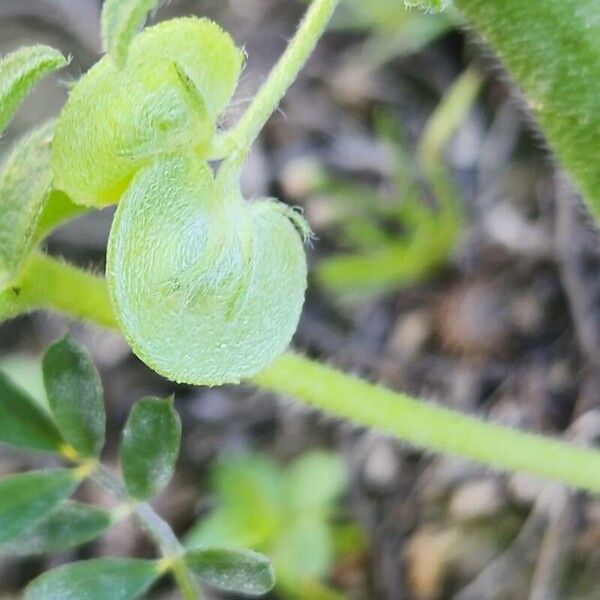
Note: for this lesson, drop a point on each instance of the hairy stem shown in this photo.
(47, 283)
(428, 425)
(282, 76)
(157, 528)
(425, 425)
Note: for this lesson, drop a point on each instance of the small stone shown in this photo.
(524, 489)
(382, 464)
(474, 500)
(430, 555)
(411, 333)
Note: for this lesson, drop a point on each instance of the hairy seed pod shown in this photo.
(208, 288)
(178, 78)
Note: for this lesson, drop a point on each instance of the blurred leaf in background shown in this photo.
(394, 29)
(391, 240)
(282, 512)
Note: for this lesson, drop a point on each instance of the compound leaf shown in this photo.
(236, 571)
(27, 498)
(69, 525)
(75, 396)
(99, 579)
(151, 441)
(19, 72)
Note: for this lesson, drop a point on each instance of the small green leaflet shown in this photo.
(19, 72)
(236, 571)
(121, 20)
(101, 579)
(75, 396)
(25, 184)
(26, 499)
(315, 481)
(69, 525)
(150, 448)
(23, 423)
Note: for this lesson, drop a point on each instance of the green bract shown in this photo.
(19, 72)
(207, 288)
(178, 78)
(25, 182)
(121, 20)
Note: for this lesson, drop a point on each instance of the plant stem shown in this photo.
(157, 528)
(282, 76)
(48, 283)
(426, 425)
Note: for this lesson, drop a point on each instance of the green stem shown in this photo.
(157, 528)
(185, 581)
(282, 76)
(428, 425)
(425, 425)
(47, 283)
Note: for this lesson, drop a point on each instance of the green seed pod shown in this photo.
(179, 77)
(207, 287)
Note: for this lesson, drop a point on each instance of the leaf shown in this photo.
(552, 50)
(226, 272)
(26, 499)
(290, 553)
(69, 525)
(19, 72)
(151, 441)
(237, 571)
(179, 77)
(315, 480)
(99, 579)
(23, 423)
(121, 21)
(75, 396)
(25, 183)
(250, 493)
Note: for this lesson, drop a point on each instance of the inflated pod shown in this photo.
(178, 78)
(208, 288)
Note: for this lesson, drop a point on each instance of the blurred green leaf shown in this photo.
(28, 498)
(250, 490)
(75, 396)
(281, 512)
(150, 447)
(23, 423)
(25, 182)
(314, 481)
(447, 117)
(426, 234)
(303, 549)
(121, 20)
(19, 72)
(100, 579)
(69, 525)
(238, 571)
